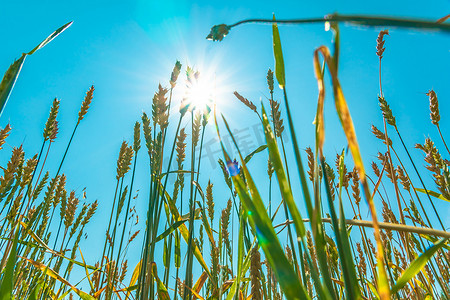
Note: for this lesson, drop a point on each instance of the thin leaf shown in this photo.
(199, 284)
(184, 230)
(278, 53)
(49, 272)
(417, 265)
(169, 230)
(288, 198)
(9, 79)
(349, 130)
(162, 290)
(262, 227)
(6, 287)
(50, 37)
(134, 277)
(35, 292)
(432, 193)
(259, 149)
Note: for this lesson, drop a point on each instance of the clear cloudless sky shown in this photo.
(125, 48)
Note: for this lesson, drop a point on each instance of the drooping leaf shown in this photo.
(350, 133)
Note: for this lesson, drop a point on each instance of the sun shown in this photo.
(200, 91)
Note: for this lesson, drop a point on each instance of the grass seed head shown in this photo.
(275, 113)
(345, 178)
(160, 113)
(270, 168)
(133, 236)
(4, 133)
(175, 73)
(122, 200)
(210, 201)
(86, 103)
(225, 222)
(54, 132)
(40, 186)
(196, 128)
(137, 137)
(147, 132)
(246, 102)
(270, 80)
(380, 43)
(78, 220)
(255, 273)
(403, 178)
(90, 213)
(50, 124)
(124, 160)
(311, 163)
(434, 108)
(380, 135)
(375, 169)
(218, 32)
(226, 175)
(181, 148)
(355, 186)
(59, 189)
(28, 170)
(387, 112)
(72, 204)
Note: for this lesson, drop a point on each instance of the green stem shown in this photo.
(358, 21)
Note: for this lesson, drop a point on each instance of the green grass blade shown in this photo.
(278, 53)
(285, 189)
(8, 81)
(184, 231)
(432, 193)
(50, 38)
(50, 272)
(35, 292)
(235, 287)
(259, 149)
(6, 287)
(162, 290)
(262, 227)
(343, 245)
(10, 77)
(286, 192)
(169, 230)
(417, 265)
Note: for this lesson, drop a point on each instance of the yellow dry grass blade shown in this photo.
(199, 284)
(349, 130)
(86, 270)
(49, 272)
(134, 276)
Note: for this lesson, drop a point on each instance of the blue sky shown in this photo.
(125, 48)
